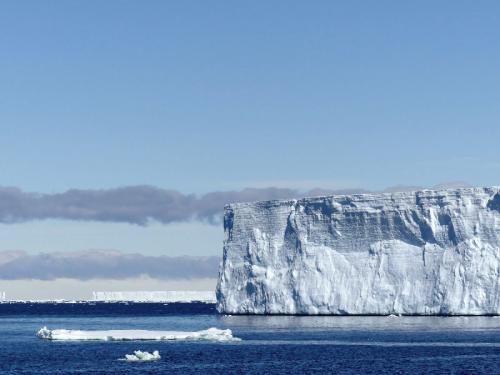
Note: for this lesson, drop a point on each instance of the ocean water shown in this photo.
(269, 345)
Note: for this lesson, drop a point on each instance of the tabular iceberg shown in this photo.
(412, 253)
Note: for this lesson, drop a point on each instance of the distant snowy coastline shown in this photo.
(131, 296)
(156, 296)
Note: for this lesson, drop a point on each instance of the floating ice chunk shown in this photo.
(140, 356)
(44, 333)
(211, 334)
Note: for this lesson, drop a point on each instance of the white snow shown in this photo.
(155, 296)
(140, 356)
(211, 334)
(411, 253)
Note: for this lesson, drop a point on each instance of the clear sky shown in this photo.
(202, 96)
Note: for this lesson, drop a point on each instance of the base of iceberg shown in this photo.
(211, 334)
(140, 356)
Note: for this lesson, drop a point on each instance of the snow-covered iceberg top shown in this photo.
(428, 252)
(140, 356)
(211, 334)
(155, 296)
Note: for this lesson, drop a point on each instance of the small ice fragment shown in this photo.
(140, 356)
(44, 333)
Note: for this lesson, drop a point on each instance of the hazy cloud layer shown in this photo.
(141, 204)
(103, 264)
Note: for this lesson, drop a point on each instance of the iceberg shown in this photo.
(140, 356)
(211, 334)
(429, 252)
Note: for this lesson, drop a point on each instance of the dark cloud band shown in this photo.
(140, 204)
(133, 204)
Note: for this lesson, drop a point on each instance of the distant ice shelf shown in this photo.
(156, 296)
(430, 252)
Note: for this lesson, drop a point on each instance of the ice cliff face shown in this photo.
(425, 252)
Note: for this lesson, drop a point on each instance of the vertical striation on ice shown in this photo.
(425, 252)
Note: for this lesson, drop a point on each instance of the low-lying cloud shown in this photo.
(103, 264)
(132, 204)
(143, 204)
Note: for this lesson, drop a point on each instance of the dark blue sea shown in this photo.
(269, 345)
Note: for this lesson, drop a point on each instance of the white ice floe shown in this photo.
(140, 356)
(211, 334)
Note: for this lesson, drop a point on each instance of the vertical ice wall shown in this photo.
(425, 252)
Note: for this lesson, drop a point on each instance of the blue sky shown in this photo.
(203, 96)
